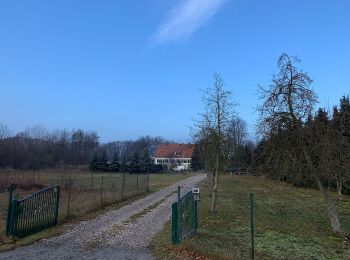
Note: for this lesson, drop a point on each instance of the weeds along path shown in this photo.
(124, 233)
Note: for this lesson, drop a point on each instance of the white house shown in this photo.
(174, 156)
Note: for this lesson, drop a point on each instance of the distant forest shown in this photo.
(40, 148)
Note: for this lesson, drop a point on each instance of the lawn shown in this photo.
(290, 223)
(86, 191)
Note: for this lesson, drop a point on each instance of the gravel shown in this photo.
(124, 233)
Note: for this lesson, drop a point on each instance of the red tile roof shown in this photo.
(174, 150)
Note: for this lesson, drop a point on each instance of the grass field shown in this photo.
(86, 194)
(290, 223)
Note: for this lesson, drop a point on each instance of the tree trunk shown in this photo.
(332, 211)
(339, 188)
(215, 186)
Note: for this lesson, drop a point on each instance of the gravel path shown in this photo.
(124, 233)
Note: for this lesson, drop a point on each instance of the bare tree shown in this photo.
(210, 130)
(297, 144)
(237, 133)
(4, 131)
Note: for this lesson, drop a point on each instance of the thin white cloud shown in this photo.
(186, 18)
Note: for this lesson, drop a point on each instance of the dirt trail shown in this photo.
(124, 233)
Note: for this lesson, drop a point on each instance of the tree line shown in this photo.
(40, 148)
(135, 164)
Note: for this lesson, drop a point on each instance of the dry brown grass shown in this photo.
(85, 188)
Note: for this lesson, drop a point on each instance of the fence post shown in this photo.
(61, 176)
(101, 191)
(11, 220)
(10, 212)
(69, 190)
(251, 205)
(147, 188)
(137, 183)
(195, 215)
(178, 193)
(123, 184)
(174, 224)
(92, 180)
(57, 204)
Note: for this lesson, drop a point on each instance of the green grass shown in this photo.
(290, 223)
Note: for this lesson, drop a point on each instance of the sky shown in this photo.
(131, 68)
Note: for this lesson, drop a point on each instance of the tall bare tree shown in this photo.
(210, 130)
(298, 145)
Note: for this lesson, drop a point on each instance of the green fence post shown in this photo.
(123, 186)
(69, 190)
(12, 218)
(57, 203)
(251, 205)
(137, 183)
(92, 180)
(101, 191)
(174, 224)
(195, 216)
(147, 188)
(10, 215)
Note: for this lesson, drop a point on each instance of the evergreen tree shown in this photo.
(115, 165)
(94, 163)
(134, 165)
(116, 158)
(196, 160)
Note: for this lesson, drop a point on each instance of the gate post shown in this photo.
(11, 218)
(57, 204)
(174, 224)
(10, 212)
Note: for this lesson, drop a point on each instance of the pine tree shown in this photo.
(94, 162)
(134, 165)
(196, 160)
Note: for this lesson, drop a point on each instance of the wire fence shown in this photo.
(81, 192)
(288, 222)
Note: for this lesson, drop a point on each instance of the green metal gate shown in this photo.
(33, 213)
(184, 217)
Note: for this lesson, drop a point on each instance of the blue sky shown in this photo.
(131, 68)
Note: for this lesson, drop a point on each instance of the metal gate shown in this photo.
(184, 217)
(33, 213)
